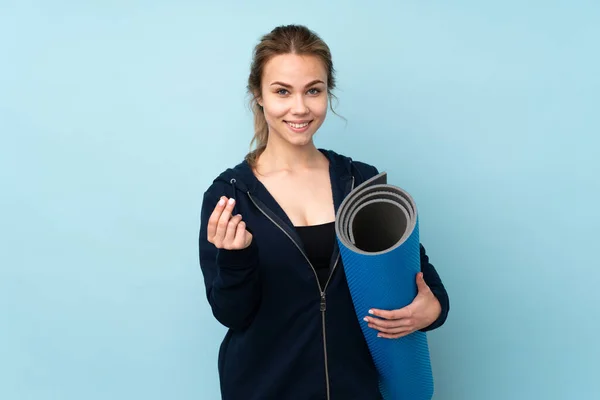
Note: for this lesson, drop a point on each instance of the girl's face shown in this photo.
(294, 97)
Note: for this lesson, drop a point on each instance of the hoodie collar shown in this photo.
(243, 179)
(244, 183)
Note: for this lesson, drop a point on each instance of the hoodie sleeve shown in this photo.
(433, 280)
(230, 276)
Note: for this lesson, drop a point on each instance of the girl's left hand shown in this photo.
(422, 312)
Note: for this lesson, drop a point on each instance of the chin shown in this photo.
(302, 142)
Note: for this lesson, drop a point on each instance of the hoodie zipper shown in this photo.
(323, 305)
(322, 291)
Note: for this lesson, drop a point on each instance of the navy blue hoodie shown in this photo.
(288, 337)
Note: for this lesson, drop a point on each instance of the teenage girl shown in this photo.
(268, 252)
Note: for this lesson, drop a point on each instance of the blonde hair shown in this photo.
(286, 39)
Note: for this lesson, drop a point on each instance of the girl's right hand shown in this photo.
(225, 231)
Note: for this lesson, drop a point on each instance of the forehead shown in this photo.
(294, 69)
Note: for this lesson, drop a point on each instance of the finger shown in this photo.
(386, 324)
(394, 335)
(392, 314)
(393, 330)
(211, 229)
(240, 235)
(224, 219)
(232, 227)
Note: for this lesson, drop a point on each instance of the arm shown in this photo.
(433, 280)
(230, 276)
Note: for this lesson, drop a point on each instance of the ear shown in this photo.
(258, 98)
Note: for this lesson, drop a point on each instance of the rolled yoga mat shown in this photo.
(378, 232)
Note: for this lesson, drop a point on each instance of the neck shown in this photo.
(285, 156)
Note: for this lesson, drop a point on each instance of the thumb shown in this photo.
(421, 285)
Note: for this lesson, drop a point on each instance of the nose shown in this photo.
(299, 106)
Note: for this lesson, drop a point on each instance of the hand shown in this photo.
(225, 231)
(422, 312)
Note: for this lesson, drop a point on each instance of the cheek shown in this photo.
(319, 106)
(275, 109)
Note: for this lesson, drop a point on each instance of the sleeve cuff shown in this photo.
(244, 258)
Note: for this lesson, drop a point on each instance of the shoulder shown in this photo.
(230, 180)
(360, 169)
(218, 184)
(366, 171)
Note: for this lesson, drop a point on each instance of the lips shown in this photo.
(298, 126)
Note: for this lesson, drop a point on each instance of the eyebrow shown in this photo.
(289, 86)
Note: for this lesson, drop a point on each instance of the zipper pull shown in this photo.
(323, 303)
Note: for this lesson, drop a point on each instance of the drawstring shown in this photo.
(232, 181)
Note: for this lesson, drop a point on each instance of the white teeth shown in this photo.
(298, 126)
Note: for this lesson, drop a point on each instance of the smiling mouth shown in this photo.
(298, 125)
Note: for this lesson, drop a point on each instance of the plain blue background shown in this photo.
(116, 115)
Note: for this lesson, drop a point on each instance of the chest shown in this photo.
(305, 198)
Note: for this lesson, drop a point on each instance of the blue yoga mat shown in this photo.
(378, 232)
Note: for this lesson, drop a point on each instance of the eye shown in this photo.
(314, 91)
(282, 92)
